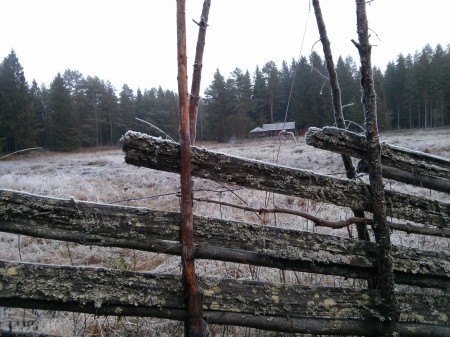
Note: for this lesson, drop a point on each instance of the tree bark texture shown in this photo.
(412, 167)
(194, 97)
(350, 171)
(158, 231)
(146, 151)
(279, 307)
(385, 274)
(195, 324)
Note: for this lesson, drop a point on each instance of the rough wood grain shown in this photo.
(146, 151)
(385, 274)
(158, 231)
(417, 168)
(280, 307)
(350, 172)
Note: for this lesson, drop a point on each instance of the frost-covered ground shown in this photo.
(103, 176)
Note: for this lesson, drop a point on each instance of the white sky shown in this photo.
(134, 41)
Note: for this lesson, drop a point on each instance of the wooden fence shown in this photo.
(423, 277)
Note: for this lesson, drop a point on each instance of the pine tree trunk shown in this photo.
(195, 325)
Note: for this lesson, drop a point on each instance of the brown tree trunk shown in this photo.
(386, 282)
(194, 97)
(195, 324)
(350, 171)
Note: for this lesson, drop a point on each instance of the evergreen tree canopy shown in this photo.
(16, 110)
(74, 111)
(60, 126)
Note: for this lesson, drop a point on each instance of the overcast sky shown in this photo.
(134, 41)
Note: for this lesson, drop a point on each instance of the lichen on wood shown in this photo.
(411, 167)
(279, 307)
(158, 231)
(155, 153)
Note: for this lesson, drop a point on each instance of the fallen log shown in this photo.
(412, 167)
(146, 151)
(270, 306)
(158, 231)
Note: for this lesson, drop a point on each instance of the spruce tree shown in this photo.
(61, 130)
(16, 109)
(215, 109)
(261, 108)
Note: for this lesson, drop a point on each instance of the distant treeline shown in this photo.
(77, 111)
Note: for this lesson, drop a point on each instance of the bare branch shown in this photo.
(20, 151)
(155, 127)
(317, 221)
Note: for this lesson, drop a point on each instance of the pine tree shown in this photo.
(272, 78)
(286, 78)
(125, 118)
(240, 104)
(38, 101)
(16, 109)
(110, 109)
(437, 75)
(260, 96)
(60, 127)
(215, 109)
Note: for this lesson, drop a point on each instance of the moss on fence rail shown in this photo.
(282, 307)
(158, 231)
(146, 151)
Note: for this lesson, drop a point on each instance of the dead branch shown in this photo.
(350, 171)
(155, 127)
(194, 97)
(385, 274)
(317, 221)
(20, 151)
(408, 228)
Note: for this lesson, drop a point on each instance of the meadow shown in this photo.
(101, 175)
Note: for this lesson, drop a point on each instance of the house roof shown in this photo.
(257, 129)
(275, 127)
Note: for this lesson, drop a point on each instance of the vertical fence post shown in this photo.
(195, 325)
(385, 275)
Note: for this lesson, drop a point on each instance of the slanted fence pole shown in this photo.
(195, 325)
(363, 233)
(194, 97)
(385, 277)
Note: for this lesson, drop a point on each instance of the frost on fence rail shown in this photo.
(401, 164)
(155, 153)
(216, 239)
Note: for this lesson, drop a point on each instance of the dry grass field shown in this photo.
(103, 176)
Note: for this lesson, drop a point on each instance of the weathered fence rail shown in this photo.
(270, 306)
(159, 231)
(155, 153)
(412, 167)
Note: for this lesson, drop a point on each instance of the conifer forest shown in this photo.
(78, 111)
